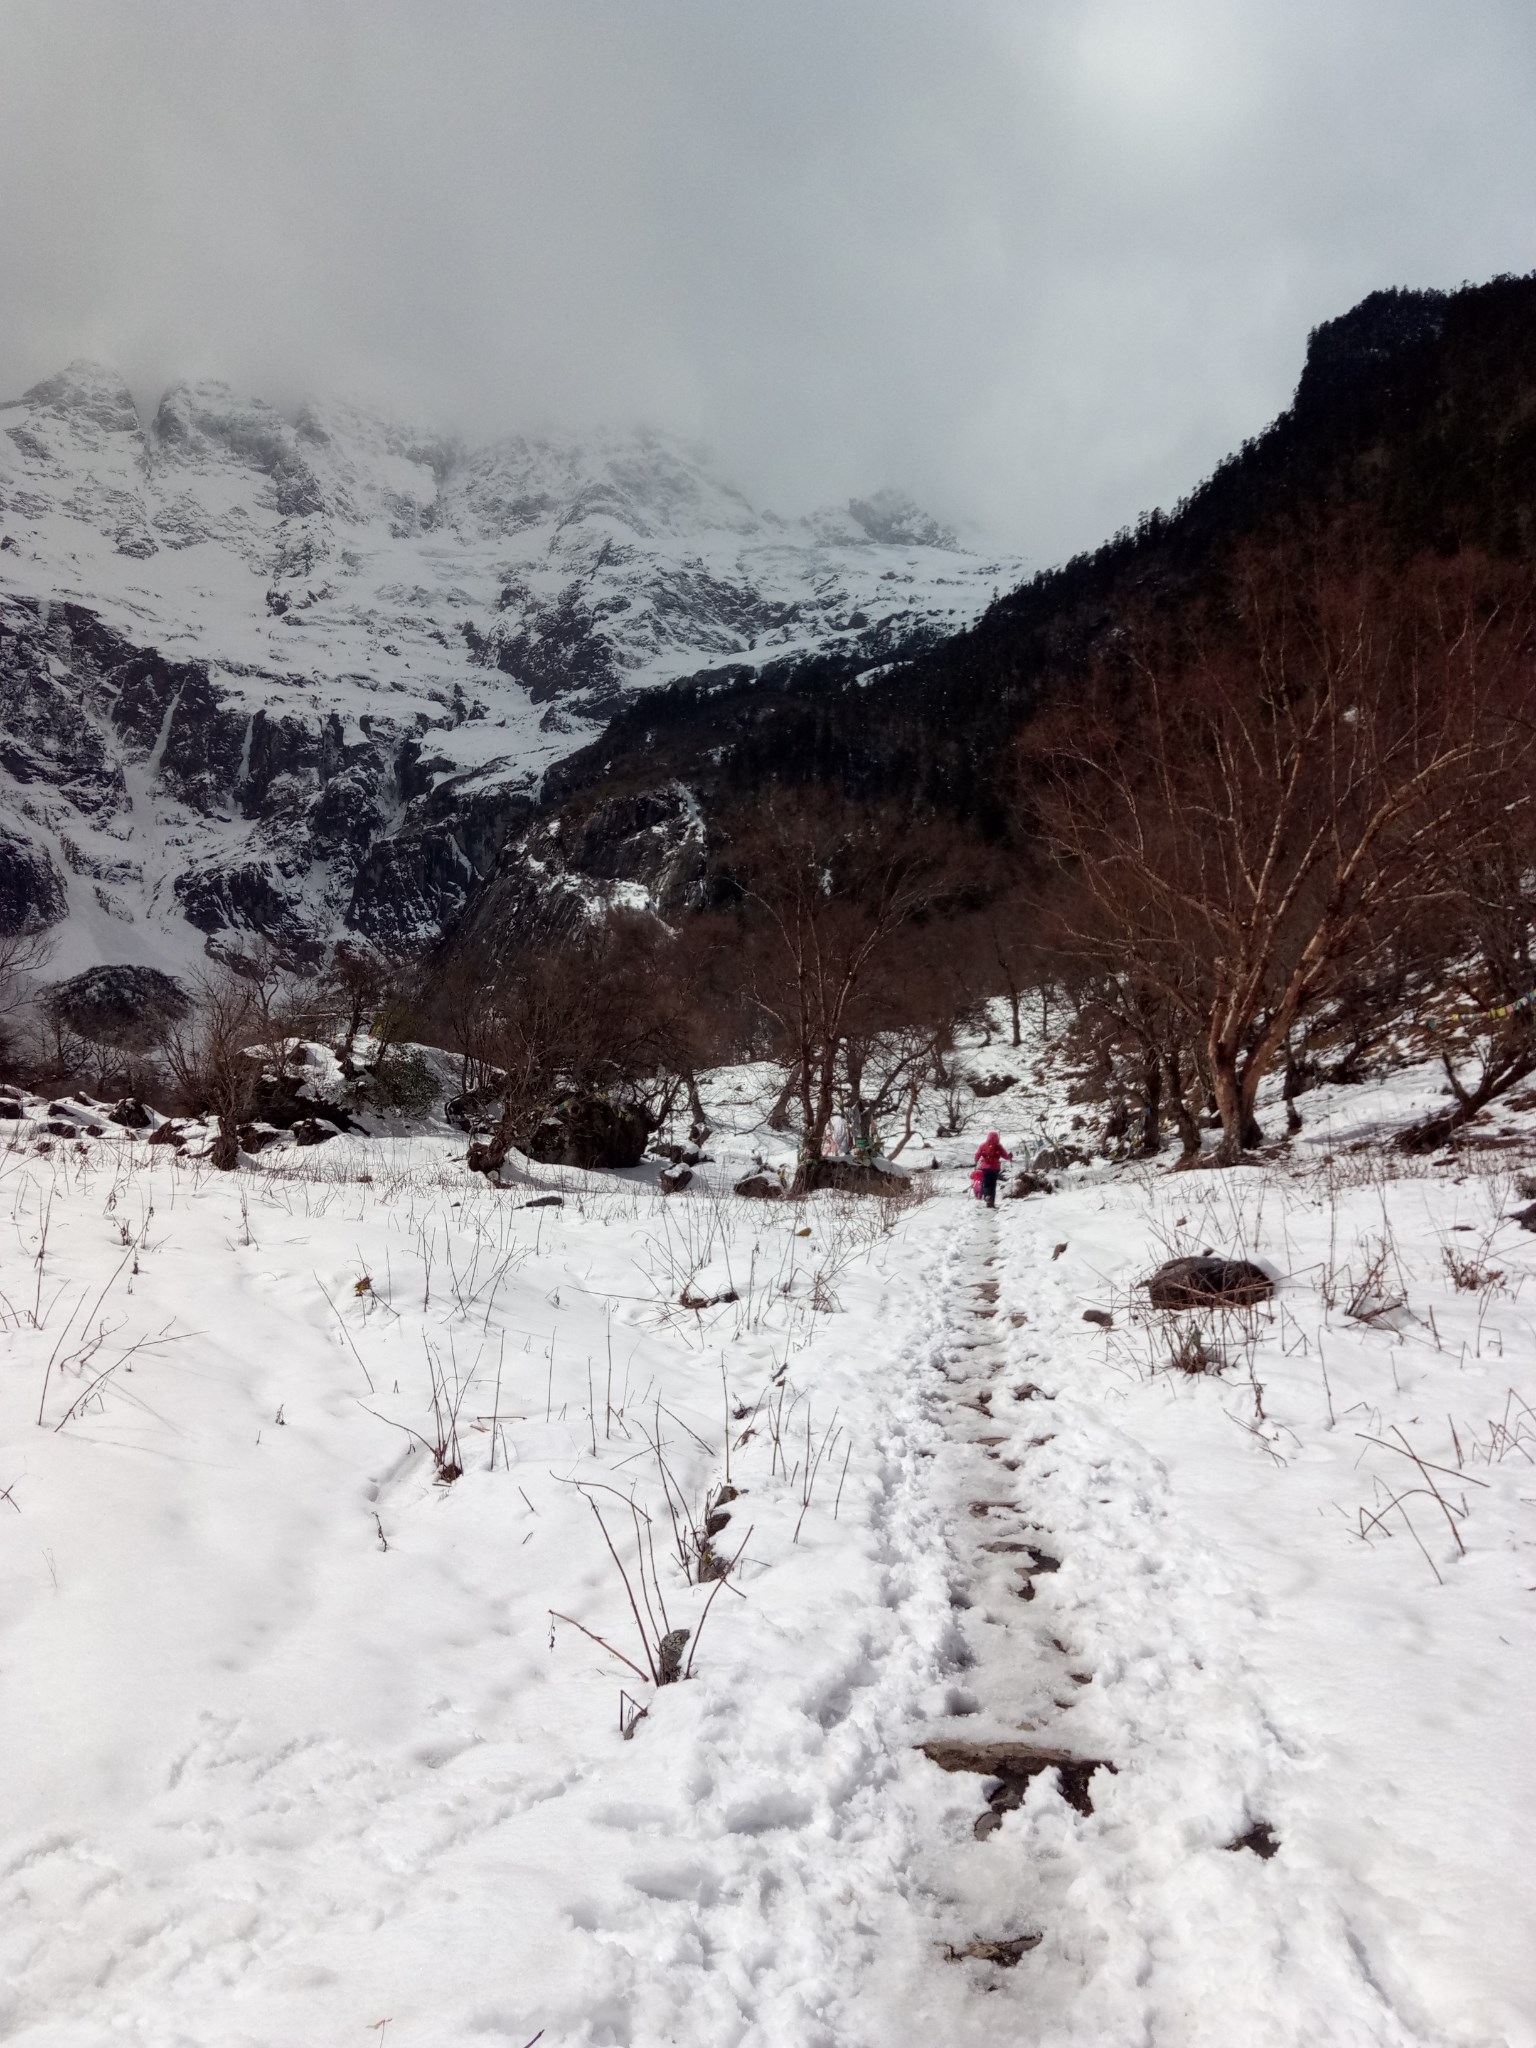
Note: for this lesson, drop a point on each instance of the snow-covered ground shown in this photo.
(294, 1748)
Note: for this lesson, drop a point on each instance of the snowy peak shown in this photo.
(85, 406)
(334, 458)
(202, 424)
(893, 520)
(321, 662)
(642, 485)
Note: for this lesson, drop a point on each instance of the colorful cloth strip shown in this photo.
(1499, 1010)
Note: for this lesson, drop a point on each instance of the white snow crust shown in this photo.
(293, 1747)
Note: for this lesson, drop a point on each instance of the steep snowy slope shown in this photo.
(303, 676)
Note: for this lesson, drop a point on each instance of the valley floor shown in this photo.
(301, 1744)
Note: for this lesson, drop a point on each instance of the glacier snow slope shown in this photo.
(302, 676)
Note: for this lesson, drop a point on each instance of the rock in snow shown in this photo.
(1208, 1283)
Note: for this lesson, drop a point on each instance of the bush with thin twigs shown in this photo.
(661, 1645)
(1395, 1501)
(1511, 1434)
(447, 1399)
(1468, 1271)
(809, 1466)
(1192, 1351)
(1377, 1290)
(694, 1528)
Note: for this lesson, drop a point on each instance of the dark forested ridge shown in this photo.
(1415, 412)
(1247, 787)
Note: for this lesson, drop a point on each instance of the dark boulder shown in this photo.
(760, 1187)
(1526, 1218)
(852, 1176)
(255, 1137)
(475, 1111)
(673, 1179)
(1207, 1282)
(278, 1099)
(588, 1131)
(313, 1130)
(131, 1114)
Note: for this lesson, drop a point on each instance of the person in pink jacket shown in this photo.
(990, 1154)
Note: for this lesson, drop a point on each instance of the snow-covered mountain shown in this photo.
(303, 675)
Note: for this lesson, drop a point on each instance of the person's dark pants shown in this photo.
(989, 1186)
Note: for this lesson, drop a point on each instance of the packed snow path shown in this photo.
(293, 1746)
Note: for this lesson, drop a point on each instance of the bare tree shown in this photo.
(1487, 934)
(1252, 803)
(1012, 923)
(212, 1055)
(827, 892)
(599, 1022)
(23, 955)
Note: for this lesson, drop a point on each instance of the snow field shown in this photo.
(269, 1780)
(270, 1775)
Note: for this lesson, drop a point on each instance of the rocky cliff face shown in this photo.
(304, 676)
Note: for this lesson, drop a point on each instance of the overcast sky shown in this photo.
(1041, 262)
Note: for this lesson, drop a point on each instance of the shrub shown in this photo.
(402, 1082)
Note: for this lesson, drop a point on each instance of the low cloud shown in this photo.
(1042, 264)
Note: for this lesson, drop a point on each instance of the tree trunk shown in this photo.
(1183, 1116)
(807, 1110)
(1290, 1091)
(853, 1063)
(700, 1130)
(1234, 1090)
(225, 1151)
(778, 1116)
(1152, 1106)
(1013, 1011)
(1502, 1070)
(817, 1113)
(490, 1156)
(1229, 1106)
(914, 1090)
